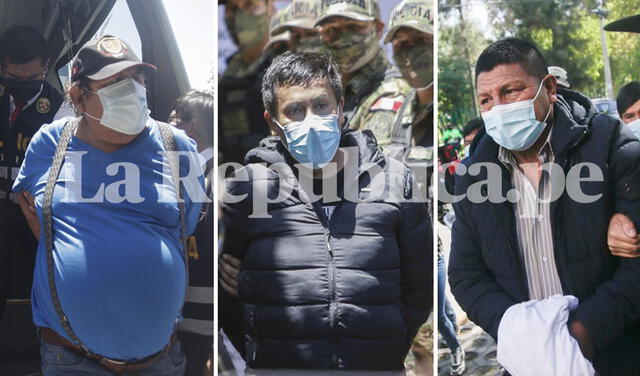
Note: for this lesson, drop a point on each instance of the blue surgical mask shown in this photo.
(514, 126)
(313, 141)
(635, 127)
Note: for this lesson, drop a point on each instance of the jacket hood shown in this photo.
(576, 104)
(271, 149)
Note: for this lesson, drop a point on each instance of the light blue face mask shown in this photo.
(635, 127)
(313, 141)
(514, 126)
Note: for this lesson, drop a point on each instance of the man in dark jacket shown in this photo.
(193, 113)
(502, 256)
(340, 280)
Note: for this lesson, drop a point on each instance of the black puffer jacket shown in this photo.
(486, 270)
(349, 293)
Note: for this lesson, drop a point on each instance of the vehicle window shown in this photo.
(119, 23)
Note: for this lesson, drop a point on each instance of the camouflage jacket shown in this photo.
(373, 96)
(412, 139)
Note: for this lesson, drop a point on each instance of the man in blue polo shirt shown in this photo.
(117, 240)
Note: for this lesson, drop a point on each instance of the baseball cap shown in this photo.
(275, 25)
(630, 24)
(415, 14)
(302, 14)
(361, 10)
(561, 75)
(105, 57)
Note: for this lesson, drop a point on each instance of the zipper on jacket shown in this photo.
(332, 289)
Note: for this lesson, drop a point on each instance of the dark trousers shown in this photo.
(197, 349)
(17, 257)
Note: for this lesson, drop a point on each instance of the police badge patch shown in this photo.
(1, 90)
(110, 46)
(43, 105)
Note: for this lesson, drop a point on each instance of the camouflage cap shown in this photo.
(302, 14)
(361, 10)
(277, 20)
(415, 14)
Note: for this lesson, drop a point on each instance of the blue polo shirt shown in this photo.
(119, 268)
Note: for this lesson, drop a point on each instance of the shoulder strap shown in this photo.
(58, 159)
(169, 144)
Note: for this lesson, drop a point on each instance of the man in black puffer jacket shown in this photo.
(342, 282)
(499, 256)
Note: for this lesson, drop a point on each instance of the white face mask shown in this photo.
(635, 127)
(124, 106)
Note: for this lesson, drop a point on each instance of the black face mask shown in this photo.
(22, 90)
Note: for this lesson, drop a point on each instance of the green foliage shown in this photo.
(567, 32)
(459, 46)
(624, 48)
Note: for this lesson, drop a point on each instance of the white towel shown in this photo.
(533, 339)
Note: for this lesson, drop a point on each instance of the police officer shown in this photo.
(27, 102)
(301, 18)
(193, 113)
(241, 124)
(411, 35)
(373, 91)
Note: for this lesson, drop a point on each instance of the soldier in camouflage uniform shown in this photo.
(411, 35)
(241, 124)
(279, 38)
(373, 91)
(301, 18)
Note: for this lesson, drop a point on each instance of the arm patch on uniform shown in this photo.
(387, 104)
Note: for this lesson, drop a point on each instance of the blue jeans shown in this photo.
(60, 361)
(445, 322)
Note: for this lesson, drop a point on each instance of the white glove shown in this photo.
(534, 340)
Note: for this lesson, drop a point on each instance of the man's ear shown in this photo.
(379, 28)
(551, 84)
(76, 94)
(341, 118)
(273, 127)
